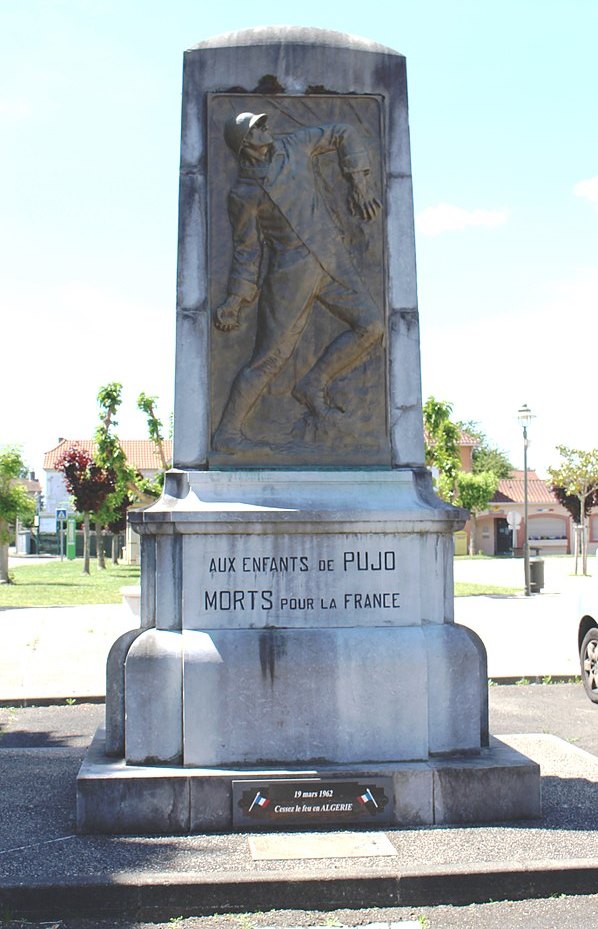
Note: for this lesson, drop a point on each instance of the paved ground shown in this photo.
(527, 637)
(41, 749)
(58, 652)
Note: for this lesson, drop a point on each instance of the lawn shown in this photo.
(62, 583)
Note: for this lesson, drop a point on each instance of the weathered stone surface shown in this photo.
(333, 549)
(309, 71)
(154, 694)
(119, 800)
(413, 794)
(210, 802)
(114, 798)
(115, 693)
(366, 589)
(501, 784)
(251, 696)
(457, 685)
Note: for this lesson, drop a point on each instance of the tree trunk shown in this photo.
(86, 544)
(115, 548)
(100, 550)
(162, 454)
(472, 528)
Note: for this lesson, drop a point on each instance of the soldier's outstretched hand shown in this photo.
(361, 201)
(226, 317)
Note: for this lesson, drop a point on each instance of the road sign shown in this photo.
(60, 515)
(513, 519)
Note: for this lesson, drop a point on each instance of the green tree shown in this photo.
(578, 475)
(442, 445)
(130, 486)
(15, 502)
(155, 427)
(474, 492)
(486, 457)
(573, 503)
(110, 455)
(471, 490)
(88, 484)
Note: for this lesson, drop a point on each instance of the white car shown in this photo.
(587, 642)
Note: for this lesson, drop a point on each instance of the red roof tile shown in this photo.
(466, 439)
(141, 453)
(510, 490)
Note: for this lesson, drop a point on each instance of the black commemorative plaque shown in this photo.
(268, 804)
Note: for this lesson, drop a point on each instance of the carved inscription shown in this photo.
(355, 579)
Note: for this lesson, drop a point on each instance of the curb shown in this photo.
(162, 895)
(23, 702)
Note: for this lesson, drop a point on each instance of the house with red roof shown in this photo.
(501, 529)
(141, 454)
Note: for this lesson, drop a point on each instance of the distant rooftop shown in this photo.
(31, 485)
(510, 490)
(141, 453)
(466, 439)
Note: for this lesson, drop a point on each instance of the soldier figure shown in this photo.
(275, 206)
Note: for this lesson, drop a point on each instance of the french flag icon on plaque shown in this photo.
(259, 800)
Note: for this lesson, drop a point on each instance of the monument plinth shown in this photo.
(297, 594)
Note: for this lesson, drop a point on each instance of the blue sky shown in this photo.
(504, 134)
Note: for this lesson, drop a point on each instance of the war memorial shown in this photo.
(297, 661)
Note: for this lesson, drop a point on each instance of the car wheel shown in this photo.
(588, 656)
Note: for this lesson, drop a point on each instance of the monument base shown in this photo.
(113, 798)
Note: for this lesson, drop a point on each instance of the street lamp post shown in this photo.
(525, 416)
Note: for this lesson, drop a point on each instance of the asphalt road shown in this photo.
(560, 709)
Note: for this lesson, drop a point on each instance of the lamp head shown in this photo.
(525, 415)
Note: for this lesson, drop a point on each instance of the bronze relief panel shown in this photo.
(297, 281)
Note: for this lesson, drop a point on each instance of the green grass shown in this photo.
(479, 557)
(62, 583)
(465, 589)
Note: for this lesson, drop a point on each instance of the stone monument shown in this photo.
(297, 659)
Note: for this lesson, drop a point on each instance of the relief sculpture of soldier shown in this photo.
(278, 216)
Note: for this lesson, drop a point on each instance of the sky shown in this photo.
(504, 138)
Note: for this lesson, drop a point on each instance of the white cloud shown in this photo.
(587, 189)
(448, 218)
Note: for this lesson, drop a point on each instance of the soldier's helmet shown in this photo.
(237, 127)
